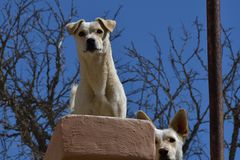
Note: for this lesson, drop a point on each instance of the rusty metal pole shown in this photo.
(215, 79)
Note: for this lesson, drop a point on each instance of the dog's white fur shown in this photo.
(100, 91)
(169, 142)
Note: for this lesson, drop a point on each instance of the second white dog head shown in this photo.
(169, 141)
(91, 37)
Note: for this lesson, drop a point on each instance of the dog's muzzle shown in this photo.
(163, 154)
(91, 45)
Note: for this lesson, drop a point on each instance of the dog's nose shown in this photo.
(163, 152)
(91, 41)
(91, 46)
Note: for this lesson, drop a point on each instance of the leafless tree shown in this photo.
(34, 87)
(34, 84)
(168, 82)
(178, 79)
(231, 93)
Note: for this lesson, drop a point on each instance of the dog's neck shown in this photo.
(95, 69)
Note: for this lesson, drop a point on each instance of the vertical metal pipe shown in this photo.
(215, 79)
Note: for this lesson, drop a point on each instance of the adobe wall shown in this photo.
(83, 137)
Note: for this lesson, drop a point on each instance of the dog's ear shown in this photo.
(180, 123)
(73, 26)
(108, 24)
(142, 115)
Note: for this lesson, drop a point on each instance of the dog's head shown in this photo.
(92, 37)
(169, 141)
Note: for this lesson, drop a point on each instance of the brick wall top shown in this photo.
(83, 137)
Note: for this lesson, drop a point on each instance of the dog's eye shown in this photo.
(171, 140)
(99, 31)
(81, 34)
(156, 142)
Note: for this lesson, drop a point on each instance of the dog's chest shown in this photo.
(95, 70)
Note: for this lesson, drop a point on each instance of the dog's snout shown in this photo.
(163, 152)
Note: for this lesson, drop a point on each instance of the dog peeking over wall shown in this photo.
(169, 142)
(100, 91)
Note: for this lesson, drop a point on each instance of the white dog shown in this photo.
(100, 91)
(169, 142)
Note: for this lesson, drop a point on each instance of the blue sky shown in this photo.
(142, 18)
